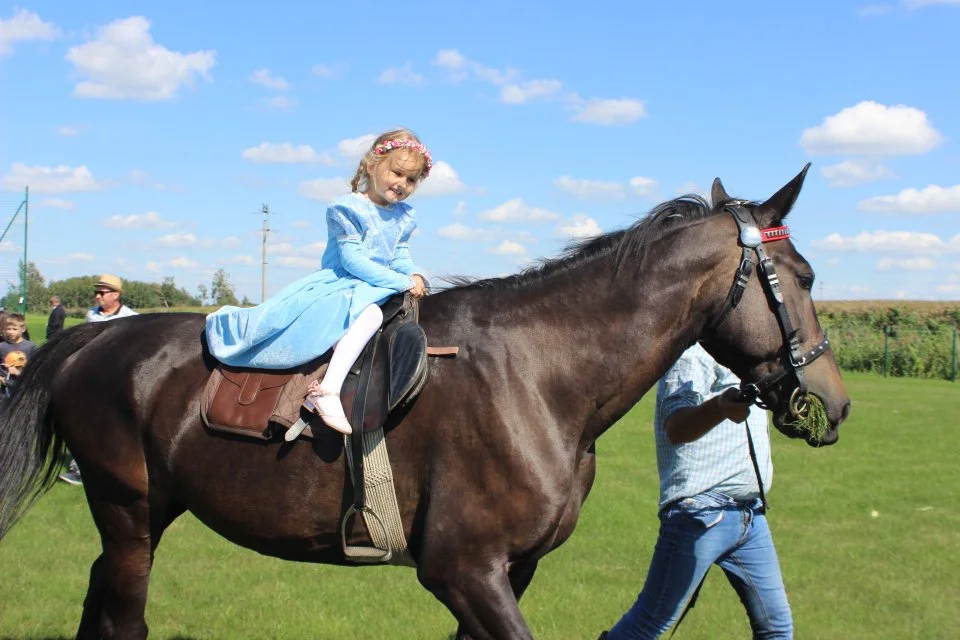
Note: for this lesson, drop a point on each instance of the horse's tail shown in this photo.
(30, 449)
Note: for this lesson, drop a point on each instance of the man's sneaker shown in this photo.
(72, 475)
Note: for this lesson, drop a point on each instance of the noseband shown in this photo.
(752, 240)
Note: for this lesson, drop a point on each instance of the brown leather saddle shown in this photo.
(389, 373)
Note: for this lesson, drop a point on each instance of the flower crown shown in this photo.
(406, 143)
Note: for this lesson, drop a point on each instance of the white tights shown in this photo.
(325, 395)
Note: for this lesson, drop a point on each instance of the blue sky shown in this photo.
(150, 134)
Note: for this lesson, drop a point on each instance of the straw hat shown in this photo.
(110, 282)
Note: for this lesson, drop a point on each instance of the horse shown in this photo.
(493, 459)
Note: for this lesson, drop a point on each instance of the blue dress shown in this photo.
(366, 261)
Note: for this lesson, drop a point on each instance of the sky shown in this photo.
(152, 134)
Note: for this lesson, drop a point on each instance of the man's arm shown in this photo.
(687, 424)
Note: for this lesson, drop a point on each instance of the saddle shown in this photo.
(389, 374)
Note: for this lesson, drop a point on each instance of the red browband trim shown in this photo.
(774, 233)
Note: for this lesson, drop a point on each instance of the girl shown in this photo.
(366, 261)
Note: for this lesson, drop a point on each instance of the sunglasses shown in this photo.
(102, 293)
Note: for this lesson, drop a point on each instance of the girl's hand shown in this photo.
(419, 288)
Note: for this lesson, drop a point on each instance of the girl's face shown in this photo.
(394, 179)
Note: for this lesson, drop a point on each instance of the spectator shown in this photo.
(13, 327)
(57, 317)
(107, 294)
(13, 363)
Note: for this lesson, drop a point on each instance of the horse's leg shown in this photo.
(520, 575)
(481, 597)
(93, 604)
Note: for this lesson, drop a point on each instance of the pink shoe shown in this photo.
(327, 405)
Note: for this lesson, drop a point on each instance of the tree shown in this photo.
(37, 294)
(202, 293)
(221, 290)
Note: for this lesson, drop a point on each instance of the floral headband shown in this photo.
(406, 143)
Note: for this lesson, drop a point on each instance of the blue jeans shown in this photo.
(695, 533)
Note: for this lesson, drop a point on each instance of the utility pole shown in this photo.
(265, 210)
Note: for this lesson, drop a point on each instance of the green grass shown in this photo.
(849, 575)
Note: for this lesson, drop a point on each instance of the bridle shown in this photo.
(751, 240)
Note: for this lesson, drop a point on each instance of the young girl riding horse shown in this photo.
(366, 261)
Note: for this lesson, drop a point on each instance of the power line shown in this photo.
(265, 212)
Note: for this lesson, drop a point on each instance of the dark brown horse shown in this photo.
(492, 462)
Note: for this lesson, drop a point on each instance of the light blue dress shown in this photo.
(366, 261)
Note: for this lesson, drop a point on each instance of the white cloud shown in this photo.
(71, 258)
(266, 78)
(919, 4)
(277, 103)
(462, 232)
(329, 71)
(644, 187)
(400, 75)
(57, 203)
(460, 209)
(148, 220)
(24, 26)
(530, 90)
(124, 62)
(906, 264)
(297, 262)
(442, 181)
(887, 242)
(247, 260)
(508, 248)
(180, 240)
(609, 111)
(230, 242)
(459, 68)
(67, 132)
(691, 187)
(851, 173)
(279, 248)
(300, 224)
(268, 152)
(931, 199)
(589, 189)
(60, 179)
(182, 263)
(353, 149)
(313, 249)
(323, 189)
(580, 226)
(515, 210)
(872, 129)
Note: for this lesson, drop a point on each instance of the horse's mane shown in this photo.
(632, 242)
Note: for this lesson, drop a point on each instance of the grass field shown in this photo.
(850, 574)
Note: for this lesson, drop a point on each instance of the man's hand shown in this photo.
(731, 408)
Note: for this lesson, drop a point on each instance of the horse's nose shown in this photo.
(845, 412)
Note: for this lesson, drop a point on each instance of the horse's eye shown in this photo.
(805, 282)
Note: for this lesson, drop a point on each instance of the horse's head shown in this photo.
(765, 327)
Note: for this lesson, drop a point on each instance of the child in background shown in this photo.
(13, 364)
(13, 328)
(367, 260)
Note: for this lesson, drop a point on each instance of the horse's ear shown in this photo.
(775, 209)
(718, 195)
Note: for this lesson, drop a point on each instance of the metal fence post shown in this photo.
(953, 372)
(886, 350)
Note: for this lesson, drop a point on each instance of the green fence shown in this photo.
(897, 351)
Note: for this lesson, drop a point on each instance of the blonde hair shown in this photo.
(370, 159)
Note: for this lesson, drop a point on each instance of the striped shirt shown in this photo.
(720, 459)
